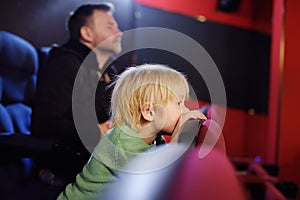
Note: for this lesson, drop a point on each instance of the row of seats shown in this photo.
(19, 65)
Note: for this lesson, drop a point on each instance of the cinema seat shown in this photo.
(18, 71)
(198, 133)
(209, 177)
(211, 135)
(6, 125)
(19, 63)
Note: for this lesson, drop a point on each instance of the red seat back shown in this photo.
(211, 135)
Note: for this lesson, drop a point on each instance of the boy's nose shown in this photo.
(184, 109)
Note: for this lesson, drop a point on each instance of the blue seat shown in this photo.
(18, 71)
(6, 125)
(19, 64)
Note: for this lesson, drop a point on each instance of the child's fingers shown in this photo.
(195, 114)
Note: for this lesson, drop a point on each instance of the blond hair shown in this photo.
(148, 83)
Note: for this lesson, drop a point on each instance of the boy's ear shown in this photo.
(147, 112)
(86, 33)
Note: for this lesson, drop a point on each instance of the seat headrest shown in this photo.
(18, 68)
(211, 135)
(17, 54)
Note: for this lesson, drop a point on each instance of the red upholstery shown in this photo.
(211, 135)
(210, 177)
(173, 172)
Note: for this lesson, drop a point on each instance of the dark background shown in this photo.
(242, 56)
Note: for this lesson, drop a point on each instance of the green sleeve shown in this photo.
(88, 184)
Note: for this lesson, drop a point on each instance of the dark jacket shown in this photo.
(52, 115)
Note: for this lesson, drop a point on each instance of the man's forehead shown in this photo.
(104, 17)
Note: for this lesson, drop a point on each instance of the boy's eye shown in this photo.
(179, 103)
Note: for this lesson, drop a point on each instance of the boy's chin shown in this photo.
(165, 133)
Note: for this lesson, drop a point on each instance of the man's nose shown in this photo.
(119, 32)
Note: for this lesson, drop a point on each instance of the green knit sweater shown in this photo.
(113, 151)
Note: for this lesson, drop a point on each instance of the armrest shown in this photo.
(24, 145)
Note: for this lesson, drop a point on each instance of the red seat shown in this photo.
(211, 135)
(175, 172)
(209, 177)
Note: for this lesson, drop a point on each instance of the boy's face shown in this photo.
(173, 111)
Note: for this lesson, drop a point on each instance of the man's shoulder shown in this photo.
(58, 51)
(62, 58)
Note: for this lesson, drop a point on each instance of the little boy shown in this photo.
(146, 100)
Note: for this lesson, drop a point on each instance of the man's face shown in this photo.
(105, 32)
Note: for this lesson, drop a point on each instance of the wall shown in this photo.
(237, 43)
(251, 14)
(289, 132)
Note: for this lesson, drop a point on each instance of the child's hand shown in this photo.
(194, 114)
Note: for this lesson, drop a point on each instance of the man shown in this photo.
(94, 35)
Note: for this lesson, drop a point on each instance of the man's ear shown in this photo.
(86, 34)
(147, 112)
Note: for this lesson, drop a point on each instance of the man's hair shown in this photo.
(80, 17)
(149, 83)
